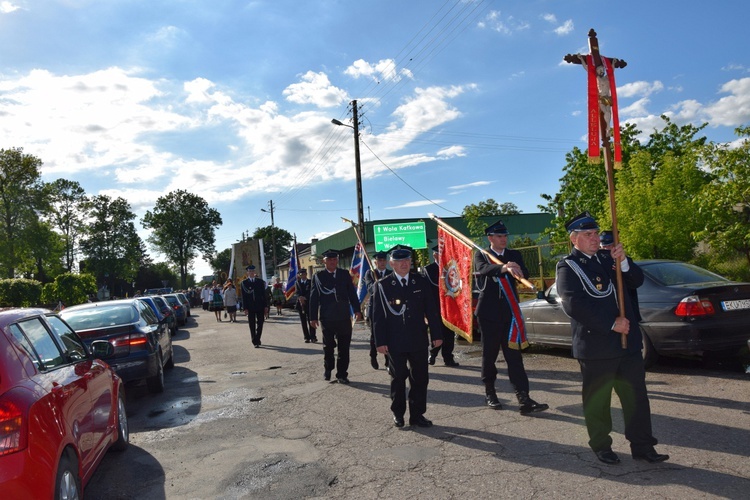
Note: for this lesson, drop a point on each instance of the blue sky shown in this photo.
(233, 100)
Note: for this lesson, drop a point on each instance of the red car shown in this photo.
(61, 407)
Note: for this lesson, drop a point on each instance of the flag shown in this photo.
(291, 282)
(455, 261)
(358, 270)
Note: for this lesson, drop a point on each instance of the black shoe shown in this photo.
(327, 375)
(256, 345)
(314, 340)
(651, 457)
(431, 359)
(398, 421)
(609, 457)
(307, 341)
(374, 362)
(420, 421)
(451, 362)
(342, 380)
(528, 405)
(492, 401)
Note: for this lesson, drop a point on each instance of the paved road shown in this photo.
(238, 422)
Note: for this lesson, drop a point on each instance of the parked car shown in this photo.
(61, 407)
(163, 311)
(143, 346)
(686, 311)
(178, 307)
(186, 302)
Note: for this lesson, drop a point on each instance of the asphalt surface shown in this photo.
(238, 422)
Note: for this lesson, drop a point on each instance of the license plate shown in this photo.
(734, 305)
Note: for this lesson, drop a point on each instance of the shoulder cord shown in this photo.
(386, 305)
(588, 286)
(427, 275)
(484, 282)
(323, 290)
(249, 292)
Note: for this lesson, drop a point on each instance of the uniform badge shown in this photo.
(599, 286)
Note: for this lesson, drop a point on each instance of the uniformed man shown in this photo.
(402, 302)
(372, 276)
(497, 301)
(302, 291)
(432, 273)
(254, 303)
(606, 242)
(332, 298)
(586, 283)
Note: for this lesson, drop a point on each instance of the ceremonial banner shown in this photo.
(358, 270)
(291, 282)
(455, 261)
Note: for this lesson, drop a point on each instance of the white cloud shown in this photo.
(315, 88)
(8, 7)
(413, 204)
(507, 26)
(550, 18)
(641, 88)
(638, 108)
(471, 184)
(565, 28)
(383, 70)
(734, 109)
(452, 152)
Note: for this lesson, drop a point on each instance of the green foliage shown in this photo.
(20, 199)
(20, 292)
(68, 205)
(182, 225)
(473, 214)
(69, 288)
(274, 236)
(222, 261)
(725, 201)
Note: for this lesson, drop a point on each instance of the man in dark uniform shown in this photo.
(371, 277)
(254, 303)
(302, 291)
(432, 273)
(332, 298)
(586, 282)
(401, 304)
(494, 313)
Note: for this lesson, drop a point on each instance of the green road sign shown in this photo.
(411, 234)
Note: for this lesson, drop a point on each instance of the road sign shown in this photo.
(411, 234)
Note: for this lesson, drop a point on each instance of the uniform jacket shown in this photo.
(370, 282)
(592, 314)
(491, 305)
(406, 332)
(254, 297)
(432, 273)
(333, 299)
(303, 290)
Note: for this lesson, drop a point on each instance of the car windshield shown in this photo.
(172, 299)
(100, 317)
(679, 273)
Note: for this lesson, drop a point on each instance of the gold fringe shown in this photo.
(595, 160)
(618, 165)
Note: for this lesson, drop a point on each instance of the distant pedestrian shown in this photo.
(277, 294)
(230, 300)
(206, 296)
(372, 276)
(432, 273)
(302, 291)
(254, 303)
(217, 302)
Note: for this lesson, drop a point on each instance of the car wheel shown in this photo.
(156, 383)
(67, 483)
(123, 434)
(170, 362)
(650, 356)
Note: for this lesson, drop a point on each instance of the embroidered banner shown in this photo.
(455, 261)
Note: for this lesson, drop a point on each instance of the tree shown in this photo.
(69, 288)
(20, 201)
(274, 235)
(183, 224)
(68, 205)
(221, 262)
(43, 251)
(726, 198)
(110, 242)
(473, 214)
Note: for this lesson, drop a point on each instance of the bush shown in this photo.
(20, 292)
(70, 288)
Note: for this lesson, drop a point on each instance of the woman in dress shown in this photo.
(217, 302)
(277, 293)
(230, 300)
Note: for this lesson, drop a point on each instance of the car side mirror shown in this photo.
(102, 349)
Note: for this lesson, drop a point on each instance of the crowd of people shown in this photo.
(406, 327)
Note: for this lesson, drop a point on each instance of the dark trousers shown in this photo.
(627, 377)
(412, 366)
(255, 319)
(205, 306)
(307, 331)
(449, 342)
(336, 334)
(495, 337)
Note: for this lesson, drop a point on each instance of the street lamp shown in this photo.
(357, 169)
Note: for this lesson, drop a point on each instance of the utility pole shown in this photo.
(357, 169)
(273, 235)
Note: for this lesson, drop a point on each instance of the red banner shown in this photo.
(455, 261)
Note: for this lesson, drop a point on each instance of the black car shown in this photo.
(143, 346)
(686, 311)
